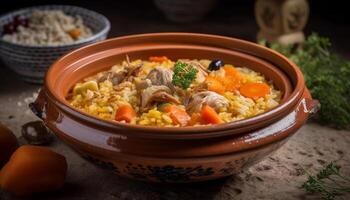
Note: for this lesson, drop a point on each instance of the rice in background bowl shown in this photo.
(31, 62)
(46, 27)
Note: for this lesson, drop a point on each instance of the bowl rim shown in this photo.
(105, 30)
(188, 132)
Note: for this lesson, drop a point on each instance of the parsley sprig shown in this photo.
(184, 74)
(328, 182)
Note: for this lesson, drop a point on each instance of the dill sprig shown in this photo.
(184, 74)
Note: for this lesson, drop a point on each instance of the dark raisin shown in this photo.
(9, 28)
(20, 20)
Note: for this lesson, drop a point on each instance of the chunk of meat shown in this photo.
(119, 74)
(141, 84)
(133, 71)
(156, 93)
(209, 98)
(122, 85)
(164, 97)
(114, 77)
(187, 95)
(161, 76)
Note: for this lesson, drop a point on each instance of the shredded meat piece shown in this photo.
(141, 84)
(127, 58)
(133, 72)
(212, 99)
(114, 77)
(201, 87)
(156, 93)
(161, 76)
(165, 97)
(122, 85)
(120, 76)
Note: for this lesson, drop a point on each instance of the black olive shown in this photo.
(36, 133)
(215, 65)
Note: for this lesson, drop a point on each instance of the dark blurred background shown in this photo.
(229, 17)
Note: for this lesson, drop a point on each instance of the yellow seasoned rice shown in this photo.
(102, 99)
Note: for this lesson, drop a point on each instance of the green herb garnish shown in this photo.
(184, 74)
(328, 182)
(327, 76)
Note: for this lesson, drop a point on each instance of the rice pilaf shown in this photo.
(101, 95)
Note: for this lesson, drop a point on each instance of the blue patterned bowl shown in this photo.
(31, 62)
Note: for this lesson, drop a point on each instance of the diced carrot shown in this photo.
(215, 85)
(232, 83)
(125, 113)
(230, 71)
(232, 79)
(254, 90)
(74, 33)
(159, 59)
(178, 115)
(195, 119)
(209, 115)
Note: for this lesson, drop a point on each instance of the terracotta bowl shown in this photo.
(185, 154)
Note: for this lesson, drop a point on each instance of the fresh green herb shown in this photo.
(328, 182)
(327, 76)
(184, 74)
